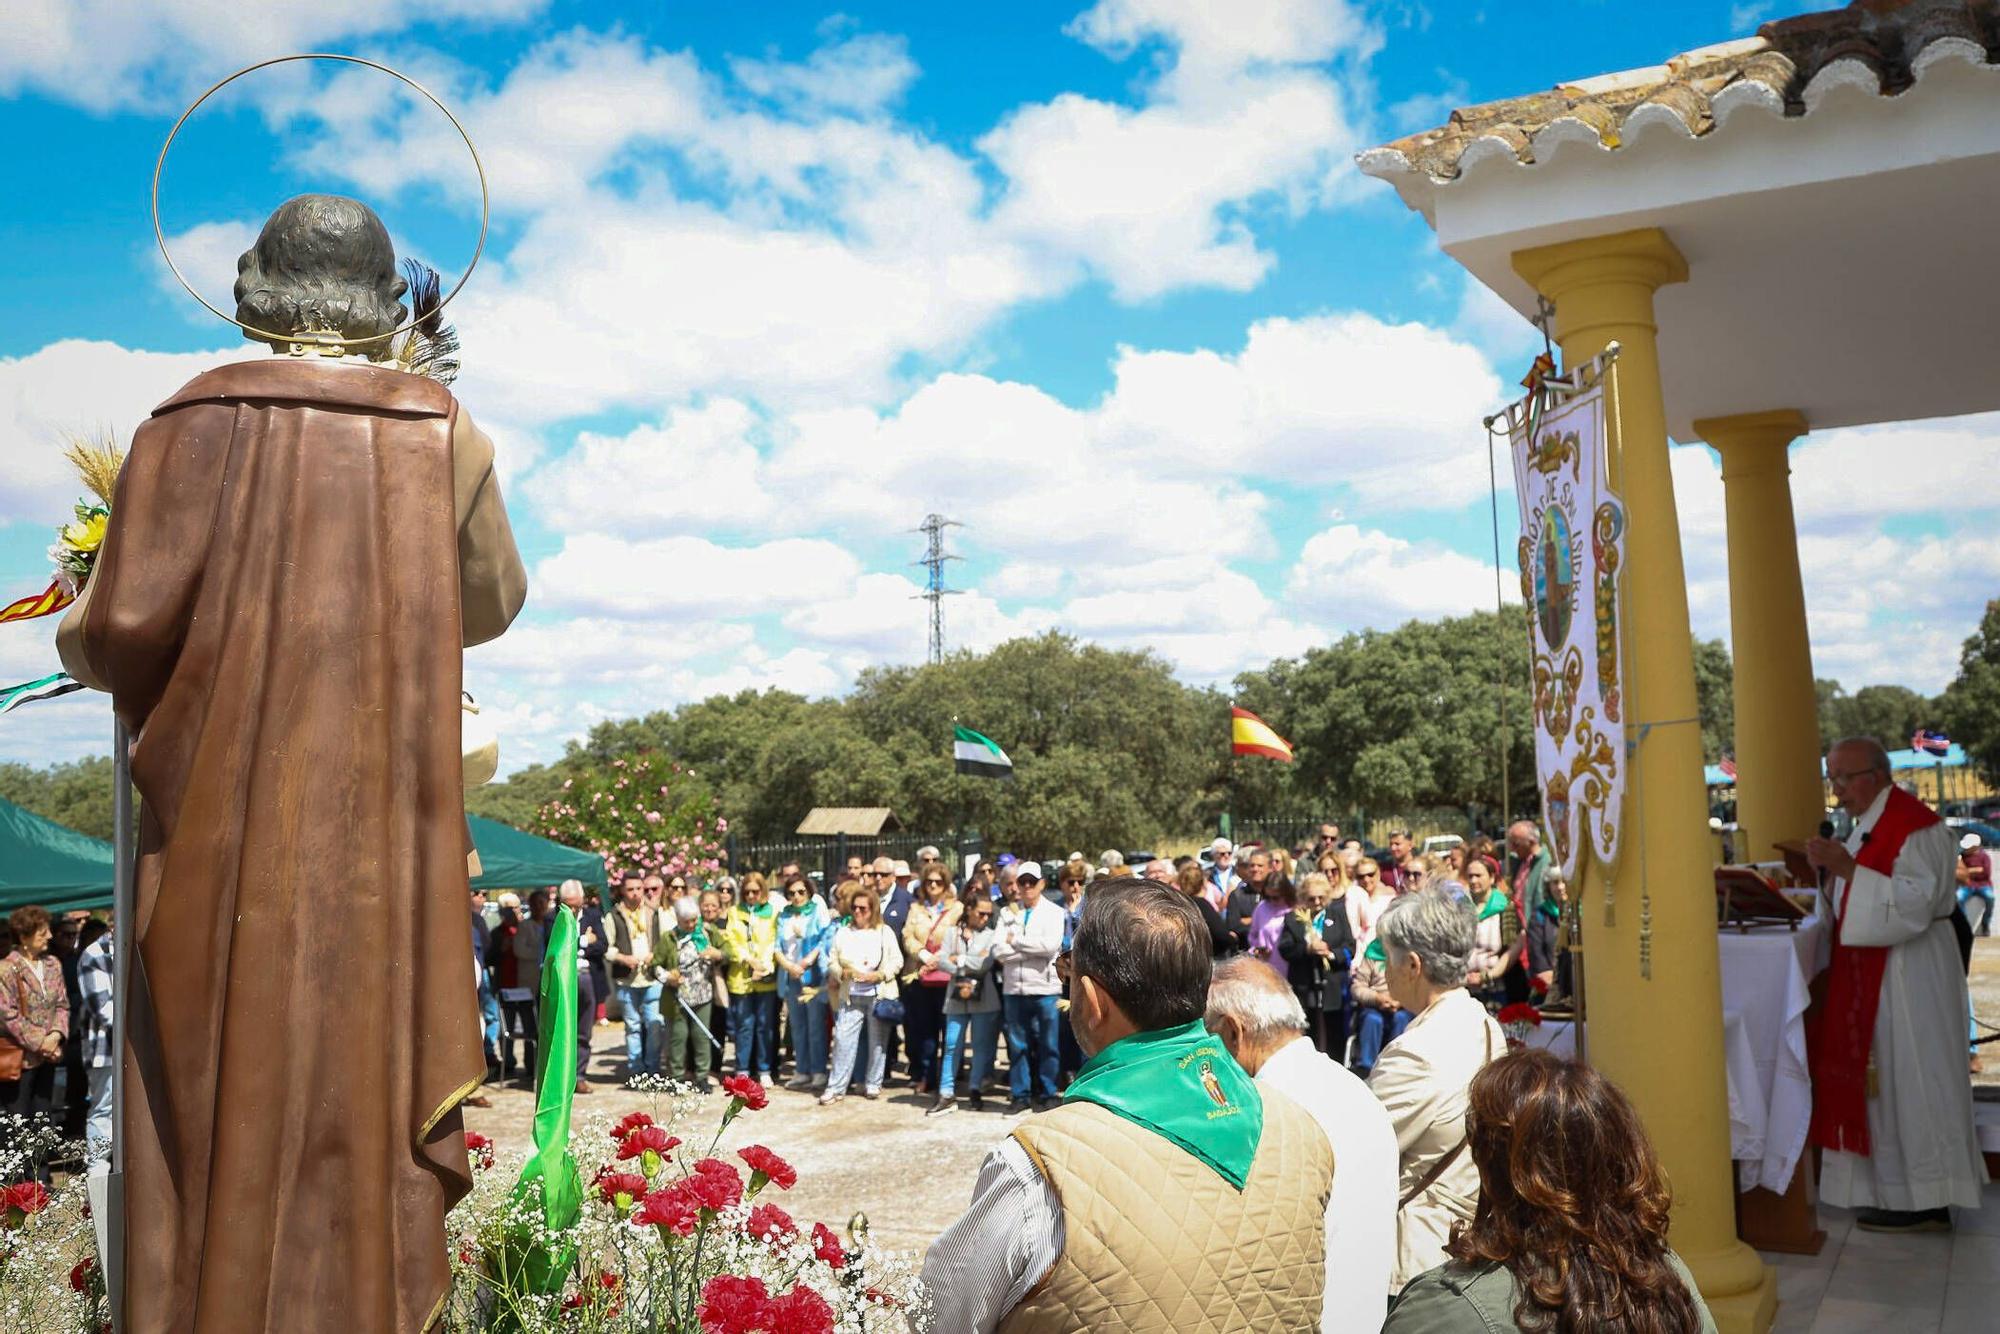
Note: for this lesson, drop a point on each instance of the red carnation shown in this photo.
(479, 1149)
(22, 1201)
(800, 1311)
(632, 1122)
(80, 1273)
(827, 1246)
(716, 1184)
(733, 1305)
(650, 1145)
(768, 1222)
(747, 1091)
(623, 1191)
(767, 1166)
(672, 1210)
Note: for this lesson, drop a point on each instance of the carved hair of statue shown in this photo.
(323, 264)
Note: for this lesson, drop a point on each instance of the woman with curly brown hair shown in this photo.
(1570, 1234)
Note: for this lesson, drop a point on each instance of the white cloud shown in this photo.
(1354, 577)
(882, 620)
(696, 470)
(689, 576)
(862, 74)
(207, 255)
(1214, 41)
(77, 387)
(1390, 410)
(110, 54)
(599, 650)
(1880, 606)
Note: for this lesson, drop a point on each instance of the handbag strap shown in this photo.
(1439, 1167)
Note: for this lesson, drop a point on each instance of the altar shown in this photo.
(1767, 974)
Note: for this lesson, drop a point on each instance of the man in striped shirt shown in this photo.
(93, 977)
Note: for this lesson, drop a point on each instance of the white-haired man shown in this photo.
(1892, 1099)
(1259, 1019)
(1222, 875)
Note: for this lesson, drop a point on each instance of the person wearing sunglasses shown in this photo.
(805, 932)
(866, 960)
(926, 933)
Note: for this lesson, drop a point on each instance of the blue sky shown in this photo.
(767, 283)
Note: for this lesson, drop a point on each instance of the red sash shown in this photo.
(1846, 1029)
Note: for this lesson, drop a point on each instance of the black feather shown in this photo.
(431, 346)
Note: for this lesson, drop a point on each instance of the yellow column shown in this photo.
(1778, 792)
(1659, 1039)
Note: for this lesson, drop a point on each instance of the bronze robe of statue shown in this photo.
(296, 553)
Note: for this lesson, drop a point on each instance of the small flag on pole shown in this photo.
(49, 687)
(978, 755)
(1930, 741)
(1251, 735)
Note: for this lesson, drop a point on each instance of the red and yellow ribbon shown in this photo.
(45, 603)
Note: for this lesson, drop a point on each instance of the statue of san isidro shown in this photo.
(300, 547)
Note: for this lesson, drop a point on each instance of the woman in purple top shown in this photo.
(1267, 922)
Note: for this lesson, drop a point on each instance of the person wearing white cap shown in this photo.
(1222, 875)
(1029, 938)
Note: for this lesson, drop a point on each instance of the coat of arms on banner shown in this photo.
(1571, 550)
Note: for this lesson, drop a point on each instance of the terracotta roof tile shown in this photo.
(1883, 42)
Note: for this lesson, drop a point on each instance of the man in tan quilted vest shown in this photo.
(1168, 1192)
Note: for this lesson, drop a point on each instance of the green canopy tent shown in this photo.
(510, 859)
(46, 863)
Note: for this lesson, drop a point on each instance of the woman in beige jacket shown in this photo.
(1421, 1077)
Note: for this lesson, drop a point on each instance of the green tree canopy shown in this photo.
(1971, 703)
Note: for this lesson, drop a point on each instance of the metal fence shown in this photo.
(1293, 831)
(828, 854)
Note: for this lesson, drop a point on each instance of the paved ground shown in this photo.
(911, 1175)
(1871, 1283)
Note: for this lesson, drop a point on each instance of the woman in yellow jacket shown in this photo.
(749, 949)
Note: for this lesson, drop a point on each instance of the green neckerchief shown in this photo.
(1182, 1084)
(1496, 903)
(1375, 951)
(1550, 909)
(763, 909)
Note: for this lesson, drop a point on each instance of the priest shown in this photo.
(1892, 1102)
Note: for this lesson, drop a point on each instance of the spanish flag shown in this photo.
(1251, 735)
(45, 603)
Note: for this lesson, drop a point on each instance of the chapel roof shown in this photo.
(1788, 68)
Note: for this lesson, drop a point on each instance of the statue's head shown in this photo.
(322, 264)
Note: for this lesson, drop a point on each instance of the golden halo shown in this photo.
(265, 334)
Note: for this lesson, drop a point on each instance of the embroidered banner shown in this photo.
(1571, 552)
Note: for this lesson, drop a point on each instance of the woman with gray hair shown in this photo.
(1421, 1078)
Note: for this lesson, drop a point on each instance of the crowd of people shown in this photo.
(901, 973)
(55, 1023)
(1210, 1168)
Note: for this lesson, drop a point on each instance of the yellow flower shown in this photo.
(87, 535)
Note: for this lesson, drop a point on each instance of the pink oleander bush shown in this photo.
(674, 1237)
(641, 812)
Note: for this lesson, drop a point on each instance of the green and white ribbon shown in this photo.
(52, 686)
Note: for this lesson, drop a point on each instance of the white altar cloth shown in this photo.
(1766, 976)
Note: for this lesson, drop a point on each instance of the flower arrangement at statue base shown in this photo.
(1517, 1021)
(49, 1278)
(672, 1238)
